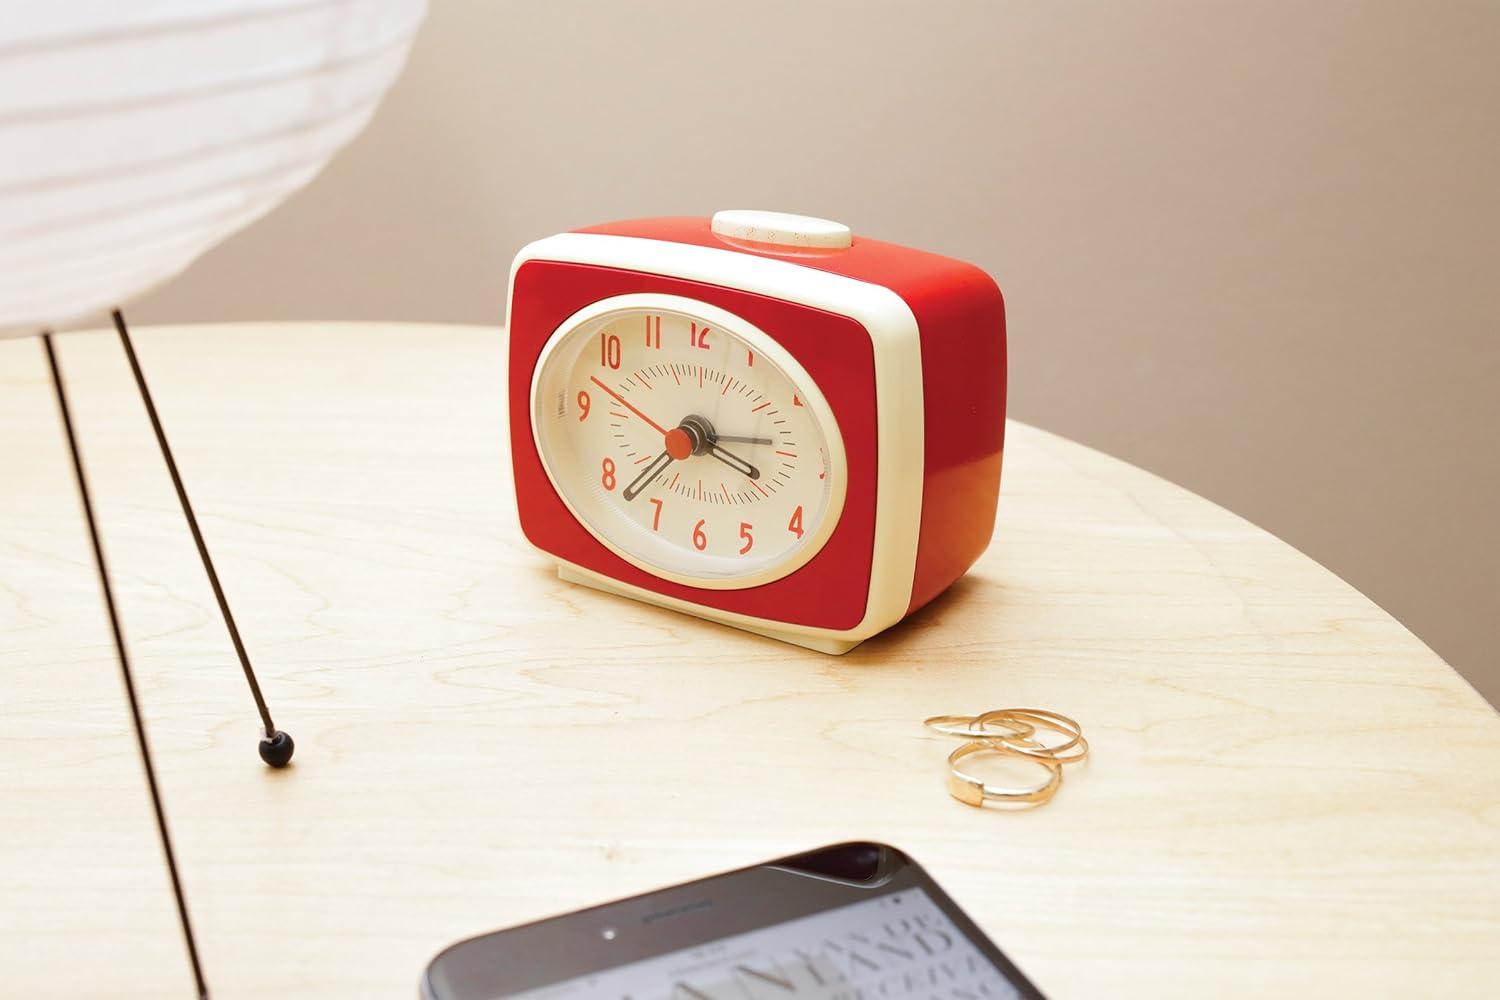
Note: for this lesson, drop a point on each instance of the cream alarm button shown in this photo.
(781, 229)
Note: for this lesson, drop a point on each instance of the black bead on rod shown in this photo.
(126, 675)
(277, 747)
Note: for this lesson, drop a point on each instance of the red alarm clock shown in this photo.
(757, 418)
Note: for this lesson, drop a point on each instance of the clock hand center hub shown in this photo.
(679, 443)
(693, 436)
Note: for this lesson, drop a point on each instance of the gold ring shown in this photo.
(1051, 721)
(973, 792)
(964, 726)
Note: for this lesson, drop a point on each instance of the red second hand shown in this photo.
(626, 403)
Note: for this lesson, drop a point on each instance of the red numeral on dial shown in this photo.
(699, 336)
(583, 406)
(607, 477)
(656, 518)
(700, 540)
(653, 331)
(795, 524)
(745, 527)
(609, 350)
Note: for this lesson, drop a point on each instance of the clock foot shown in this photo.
(833, 647)
(832, 644)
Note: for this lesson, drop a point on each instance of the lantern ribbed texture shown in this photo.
(136, 135)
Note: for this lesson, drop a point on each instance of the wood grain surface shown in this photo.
(1288, 793)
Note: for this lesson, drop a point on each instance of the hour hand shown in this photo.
(650, 472)
(733, 461)
(739, 439)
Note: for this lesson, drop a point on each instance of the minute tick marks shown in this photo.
(707, 481)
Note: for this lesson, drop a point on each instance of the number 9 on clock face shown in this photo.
(687, 441)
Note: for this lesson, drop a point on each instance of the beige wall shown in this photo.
(1250, 247)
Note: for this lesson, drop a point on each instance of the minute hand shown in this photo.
(733, 461)
(737, 439)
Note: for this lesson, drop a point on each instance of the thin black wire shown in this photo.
(192, 520)
(125, 672)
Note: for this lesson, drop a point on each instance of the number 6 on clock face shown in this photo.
(687, 441)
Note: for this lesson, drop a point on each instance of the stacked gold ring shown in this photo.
(1010, 731)
(962, 725)
(974, 792)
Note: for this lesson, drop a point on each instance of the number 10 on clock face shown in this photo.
(687, 441)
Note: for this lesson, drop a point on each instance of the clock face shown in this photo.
(687, 441)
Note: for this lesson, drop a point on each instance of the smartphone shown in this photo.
(852, 921)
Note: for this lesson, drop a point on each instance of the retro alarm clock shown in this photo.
(759, 418)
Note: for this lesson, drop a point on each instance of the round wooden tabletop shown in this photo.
(1288, 792)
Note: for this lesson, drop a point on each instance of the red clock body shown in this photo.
(852, 586)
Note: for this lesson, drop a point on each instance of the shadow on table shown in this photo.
(958, 608)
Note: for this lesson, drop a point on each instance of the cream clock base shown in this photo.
(818, 643)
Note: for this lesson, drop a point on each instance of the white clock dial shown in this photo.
(687, 440)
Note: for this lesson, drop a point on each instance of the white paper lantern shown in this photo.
(137, 134)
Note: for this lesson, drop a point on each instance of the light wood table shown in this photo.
(1289, 794)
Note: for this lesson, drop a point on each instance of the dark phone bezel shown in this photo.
(687, 915)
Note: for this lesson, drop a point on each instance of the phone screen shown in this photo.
(853, 922)
(897, 945)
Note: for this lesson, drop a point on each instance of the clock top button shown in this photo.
(781, 229)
